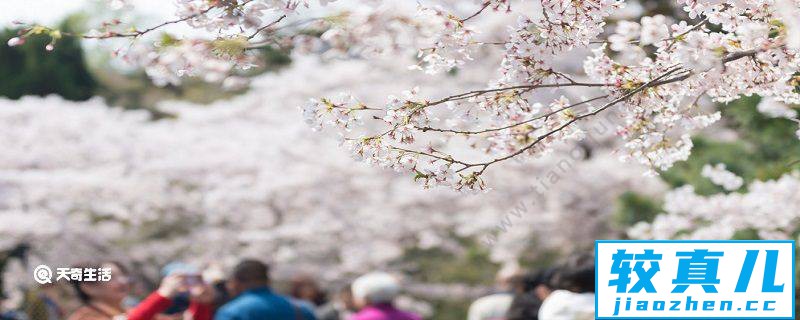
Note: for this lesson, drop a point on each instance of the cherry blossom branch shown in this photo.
(425, 129)
(474, 177)
(269, 25)
(446, 158)
(651, 83)
(728, 58)
(682, 34)
(485, 5)
(268, 42)
(138, 33)
(740, 54)
(476, 93)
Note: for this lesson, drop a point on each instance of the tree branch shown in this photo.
(138, 33)
(573, 120)
(425, 129)
(475, 93)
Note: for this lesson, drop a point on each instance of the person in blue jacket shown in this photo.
(254, 300)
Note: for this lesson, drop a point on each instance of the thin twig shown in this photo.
(138, 33)
(485, 5)
(475, 93)
(424, 129)
(259, 30)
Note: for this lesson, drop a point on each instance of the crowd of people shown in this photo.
(565, 292)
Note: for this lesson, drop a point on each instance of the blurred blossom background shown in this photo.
(99, 160)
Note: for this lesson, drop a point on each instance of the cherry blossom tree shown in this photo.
(651, 70)
(554, 91)
(661, 69)
(527, 94)
(247, 178)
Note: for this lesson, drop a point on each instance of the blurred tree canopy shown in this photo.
(31, 70)
(765, 148)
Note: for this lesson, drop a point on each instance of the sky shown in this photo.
(43, 11)
(52, 11)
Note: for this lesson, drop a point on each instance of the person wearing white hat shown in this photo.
(374, 294)
(496, 305)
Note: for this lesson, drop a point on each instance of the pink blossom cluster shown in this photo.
(169, 64)
(719, 175)
(770, 208)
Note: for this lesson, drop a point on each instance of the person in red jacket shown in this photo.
(102, 300)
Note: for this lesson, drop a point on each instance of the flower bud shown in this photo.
(16, 41)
